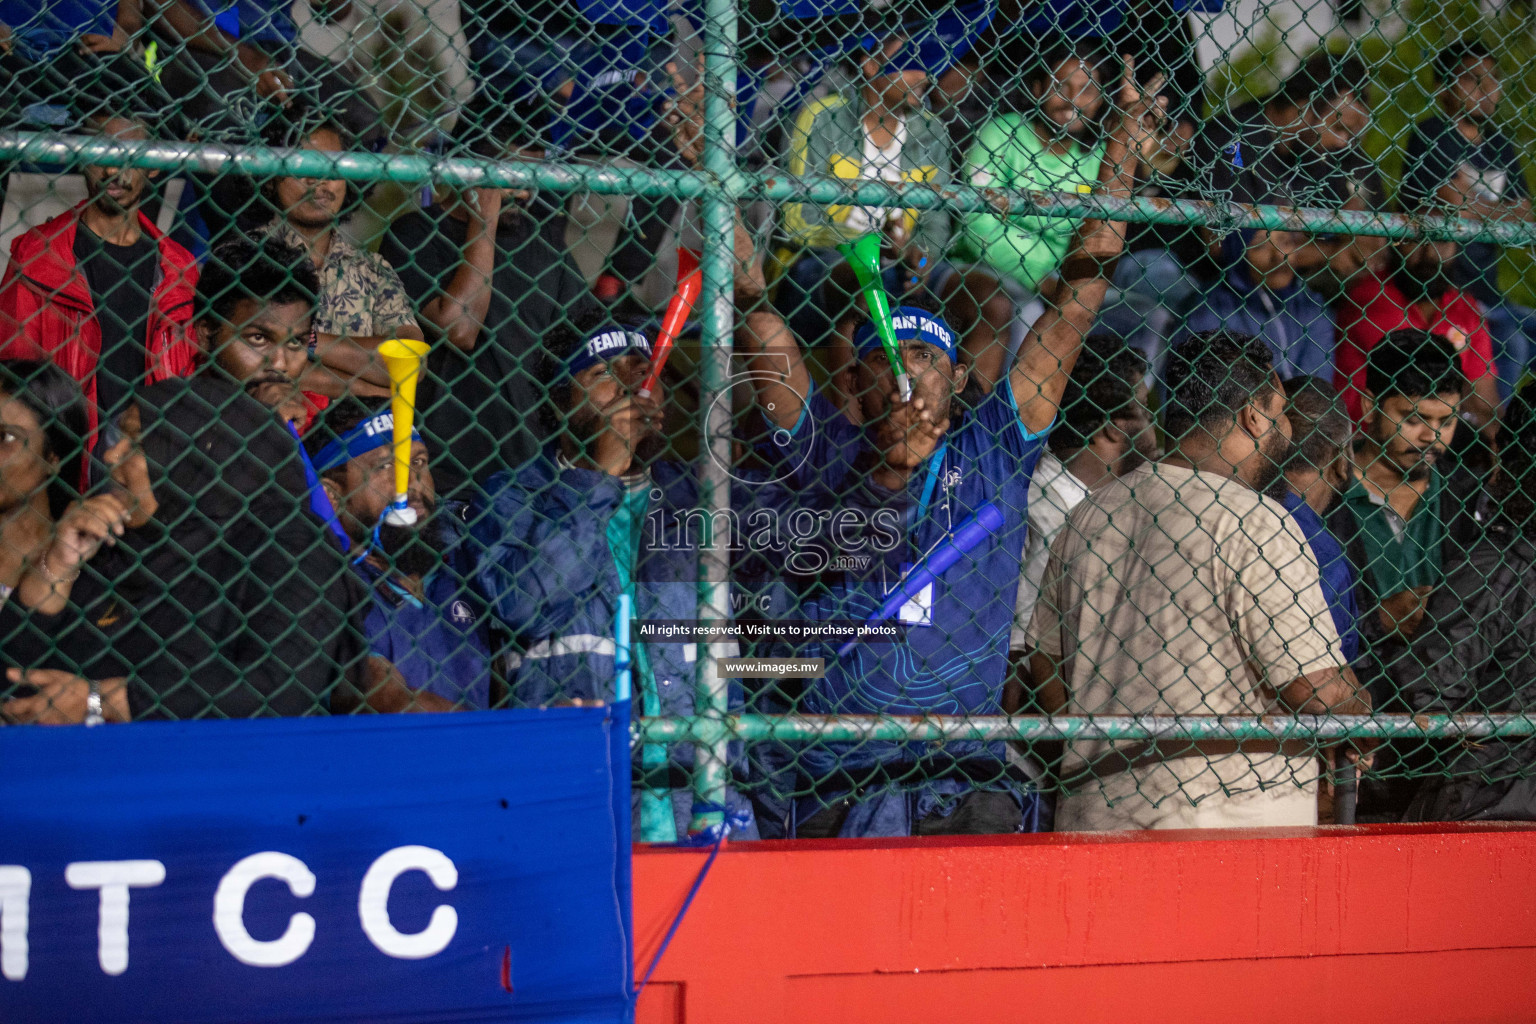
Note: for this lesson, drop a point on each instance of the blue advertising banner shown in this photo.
(461, 867)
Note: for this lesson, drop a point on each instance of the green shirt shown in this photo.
(1399, 555)
(1008, 154)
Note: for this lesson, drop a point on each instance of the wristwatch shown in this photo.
(93, 714)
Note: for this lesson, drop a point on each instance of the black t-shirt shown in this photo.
(1273, 171)
(122, 283)
(1436, 151)
(481, 409)
(265, 617)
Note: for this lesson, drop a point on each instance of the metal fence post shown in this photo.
(711, 764)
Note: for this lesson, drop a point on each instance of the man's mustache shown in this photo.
(263, 379)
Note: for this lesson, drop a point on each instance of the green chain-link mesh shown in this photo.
(213, 210)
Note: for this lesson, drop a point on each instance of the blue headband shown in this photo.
(910, 322)
(608, 343)
(374, 432)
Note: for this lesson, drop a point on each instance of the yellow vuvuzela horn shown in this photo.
(404, 359)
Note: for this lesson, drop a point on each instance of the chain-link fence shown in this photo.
(944, 418)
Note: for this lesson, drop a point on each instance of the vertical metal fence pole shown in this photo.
(718, 204)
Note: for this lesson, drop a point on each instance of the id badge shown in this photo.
(918, 611)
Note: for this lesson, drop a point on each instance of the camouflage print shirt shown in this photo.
(360, 294)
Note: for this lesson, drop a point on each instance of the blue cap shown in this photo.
(604, 344)
(910, 322)
(373, 432)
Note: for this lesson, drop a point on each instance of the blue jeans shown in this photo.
(1513, 328)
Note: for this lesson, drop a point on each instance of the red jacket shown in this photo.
(46, 310)
(1374, 307)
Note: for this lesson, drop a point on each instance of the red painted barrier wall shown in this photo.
(1395, 924)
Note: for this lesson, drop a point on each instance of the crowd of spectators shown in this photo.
(1196, 471)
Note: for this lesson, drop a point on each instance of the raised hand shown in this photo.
(908, 437)
(685, 112)
(1142, 109)
(626, 423)
(83, 528)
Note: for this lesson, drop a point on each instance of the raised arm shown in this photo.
(459, 310)
(195, 28)
(773, 359)
(1045, 361)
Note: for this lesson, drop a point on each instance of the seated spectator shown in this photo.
(101, 292)
(1474, 655)
(1419, 290)
(490, 274)
(424, 620)
(600, 514)
(43, 416)
(1103, 432)
(528, 55)
(1181, 590)
(1262, 296)
(1046, 141)
(67, 63)
(224, 597)
(361, 301)
(931, 463)
(878, 128)
(372, 41)
(43, 430)
(1465, 141)
(218, 63)
(1316, 475)
(1403, 520)
(1301, 147)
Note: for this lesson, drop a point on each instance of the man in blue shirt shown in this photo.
(598, 515)
(1262, 296)
(1316, 473)
(928, 465)
(425, 619)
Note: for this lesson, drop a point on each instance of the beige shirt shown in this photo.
(1172, 592)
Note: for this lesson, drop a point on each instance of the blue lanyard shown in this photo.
(935, 466)
(410, 598)
(319, 501)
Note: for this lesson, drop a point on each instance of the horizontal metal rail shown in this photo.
(73, 150)
(953, 728)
